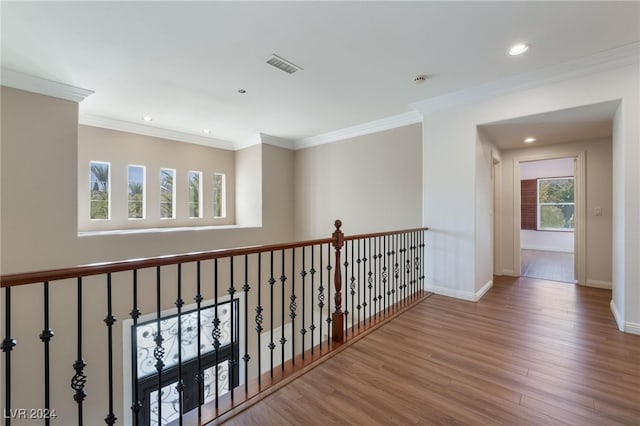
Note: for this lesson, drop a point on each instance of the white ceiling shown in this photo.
(568, 125)
(183, 62)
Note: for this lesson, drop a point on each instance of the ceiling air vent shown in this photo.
(282, 64)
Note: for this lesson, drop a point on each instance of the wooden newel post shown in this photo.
(337, 318)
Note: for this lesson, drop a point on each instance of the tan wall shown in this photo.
(599, 185)
(372, 183)
(39, 231)
(121, 149)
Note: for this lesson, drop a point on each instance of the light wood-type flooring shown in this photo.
(531, 352)
(547, 265)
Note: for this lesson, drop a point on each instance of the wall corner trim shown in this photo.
(387, 123)
(617, 316)
(483, 290)
(42, 86)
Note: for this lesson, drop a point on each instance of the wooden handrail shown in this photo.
(12, 280)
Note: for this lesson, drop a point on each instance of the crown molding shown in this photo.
(30, 83)
(276, 141)
(158, 132)
(246, 143)
(386, 123)
(599, 62)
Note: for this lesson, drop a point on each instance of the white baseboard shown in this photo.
(599, 284)
(631, 327)
(508, 272)
(617, 316)
(459, 294)
(485, 288)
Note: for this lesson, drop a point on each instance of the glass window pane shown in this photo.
(557, 216)
(167, 193)
(556, 190)
(219, 195)
(136, 189)
(195, 193)
(99, 188)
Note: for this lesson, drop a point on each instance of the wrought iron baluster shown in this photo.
(272, 282)
(199, 377)
(109, 320)
(246, 358)
(376, 281)
(321, 295)
(46, 336)
(232, 362)
(369, 276)
(158, 352)
(422, 245)
(180, 384)
(352, 287)
(283, 339)
(312, 271)
(259, 318)
(407, 270)
(385, 274)
(215, 333)
(292, 306)
(346, 298)
(360, 304)
(79, 378)
(135, 314)
(396, 271)
(303, 274)
(7, 346)
(329, 268)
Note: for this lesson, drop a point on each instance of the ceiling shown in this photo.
(568, 125)
(182, 63)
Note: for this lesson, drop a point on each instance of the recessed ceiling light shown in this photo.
(518, 49)
(242, 91)
(529, 140)
(206, 131)
(147, 118)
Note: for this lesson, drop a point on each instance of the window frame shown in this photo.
(223, 196)
(148, 384)
(108, 191)
(173, 195)
(539, 205)
(199, 205)
(144, 191)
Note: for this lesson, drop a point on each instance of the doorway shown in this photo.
(547, 219)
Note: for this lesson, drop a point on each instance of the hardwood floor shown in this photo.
(530, 352)
(547, 265)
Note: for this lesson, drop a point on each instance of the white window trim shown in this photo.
(108, 191)
(144, 192)
(539, 204)
(200, 184)
(223, 198)
(173, 196)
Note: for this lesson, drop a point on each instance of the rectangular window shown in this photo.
(219, 195)
(136, 192)
(195, 195)
(167, 193)
(100, 189)
(556, 204)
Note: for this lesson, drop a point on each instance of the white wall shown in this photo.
(450, 142)
(558, 167)
(548, 241)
